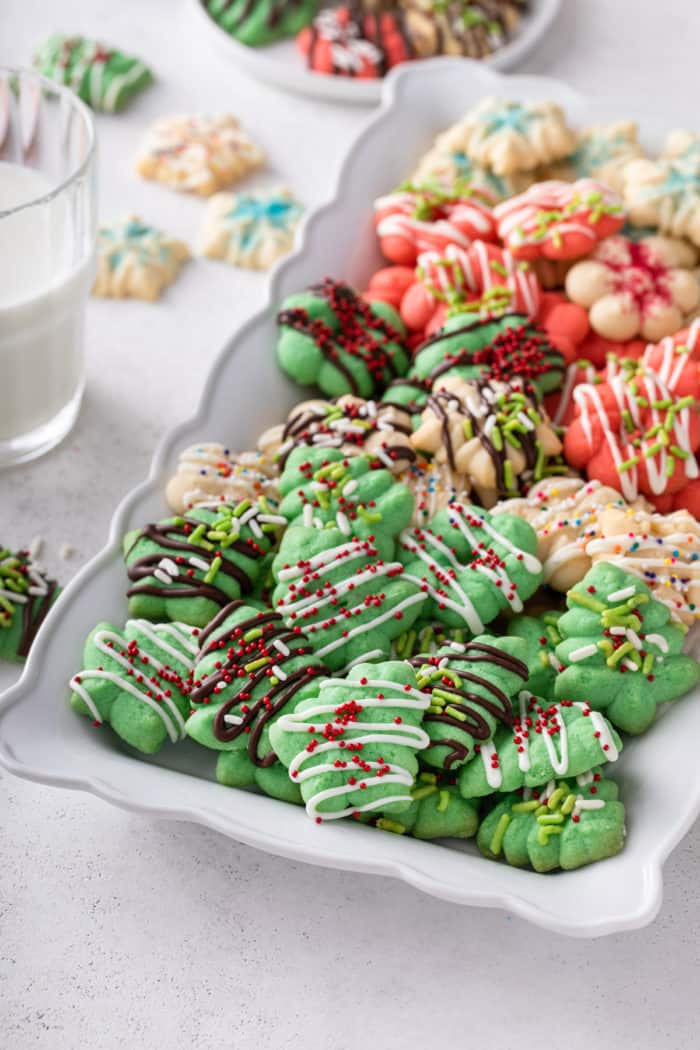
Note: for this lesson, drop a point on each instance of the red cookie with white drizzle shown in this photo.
(636, 434)
(559, 220)
(419, 217)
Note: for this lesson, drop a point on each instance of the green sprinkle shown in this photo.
(568, 804)
(242, 507)
(525, 807)
(454, 713)
(369, 516)
(496, 843)
(648, 663)
(255, 665)
(428, 778)
(549, 819)
(444, 801)
(210, 575)
(250, 636)
(627, 464)
(418, 794)
(468, 429)
(586, 601)
(679, 453)
(391, 825)
(553, 800)
(614, 658)
(508, 476)
(544, 832)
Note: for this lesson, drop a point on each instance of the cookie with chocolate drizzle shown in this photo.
(257, 22)
(26, 595)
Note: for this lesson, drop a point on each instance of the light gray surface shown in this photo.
(118, 932)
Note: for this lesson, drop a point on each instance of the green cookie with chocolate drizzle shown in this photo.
(569, 824)
(471, 566)
(322, 487)
(508, 348)
(137, 680)
(470, 686)
(545, 740)
(251, 668)
(425, 639)
(620, 650)
(258, 22)
(330, 337)
(188, 568)
(349, 596)
(26, 595)
(437, 811)
(541, 636)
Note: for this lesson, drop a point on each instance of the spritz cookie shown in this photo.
(198, 154)
(136, 261)
(665, 193)
(210, 473)
(103, 77)
(250, 230)
(602, 152)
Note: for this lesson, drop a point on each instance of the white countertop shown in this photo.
(119, 932)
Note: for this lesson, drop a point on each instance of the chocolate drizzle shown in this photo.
(254, 714)
(305, 424)
(34, 613)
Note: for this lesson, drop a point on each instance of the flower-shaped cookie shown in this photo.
(602, 152)
(210, 473)
(136, 261)
(492, 433)
(559, 220)
(567, 825)
(198, 154)
(665, 193)
(507, 136)
(635, 433)
(635, 288)
(425, 217)
(250, 230)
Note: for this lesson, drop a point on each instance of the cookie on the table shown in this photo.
(198, 154)
(569, 824)
(251, 669)
(333, 338)
(471, 687)
(352, 747)
(252, 230)
(105, 78)
(665, 193)
(349, 596)
(137, 680)
(188, 568)
(26, 595)
(506, 136)
(471, 566)
(209, 473)
(620, 653)
(602, 152)
(262, 21)
(546, 740)
(490, 432)
(136, 261)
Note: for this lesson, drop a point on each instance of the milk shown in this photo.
(42, 301)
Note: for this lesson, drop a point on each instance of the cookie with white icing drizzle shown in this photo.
(137, 680)
(567, 825)
(105, 78)
(351, 597)
(209, 473)
(434, 486)
(353, 747)
(26, 595)
(470, 566)
(620, 652)
(546, 740)
(250, 669)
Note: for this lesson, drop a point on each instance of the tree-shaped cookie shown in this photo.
(26, 595)
(571, 823)
(323, 487)
(437, 811)
(332, 338)
(137, 680)
(541, 637)
(352, 748)
(250, 669)
(349, 596)
(471, 685)
(472, 566)
(103, 77)
(188, 568)
(546, 740)
(620, 652)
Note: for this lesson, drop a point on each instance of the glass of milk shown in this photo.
(47, 256)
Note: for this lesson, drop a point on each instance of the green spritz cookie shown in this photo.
(264, 21)
(620, 652)
(330, 337)
(352, 748)
(541, 637)
(472, 565)
(137, 681)
(437, 811)
(348, 595)
(425, 639)
(546, 741)
(251, 669)
(569, 825)
(508, 348)
(26, 595)
(470, 686)
(101, 76)
(188, 568)
(322, 486)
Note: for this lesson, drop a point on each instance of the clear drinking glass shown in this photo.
(47, 259)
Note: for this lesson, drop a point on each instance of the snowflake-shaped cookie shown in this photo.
(602, 152)
(136, 261)
(250, 230)
(665, 193)
(199, 154)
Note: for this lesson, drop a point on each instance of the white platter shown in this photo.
(41, 739)
(282, 66)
